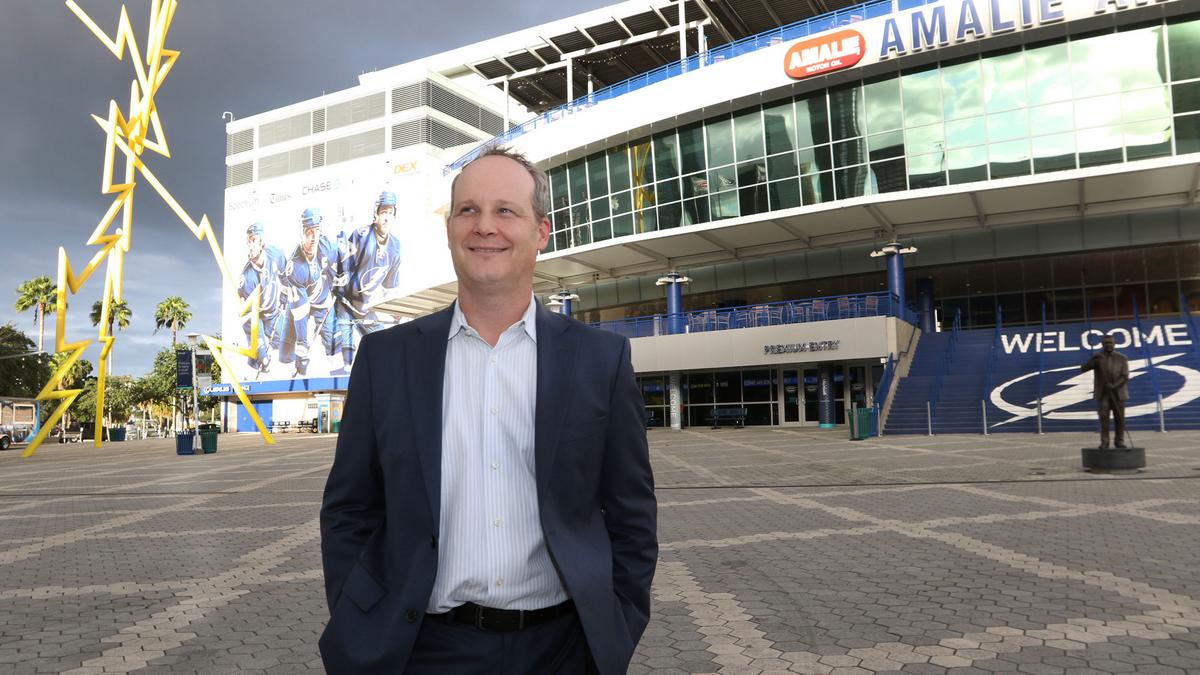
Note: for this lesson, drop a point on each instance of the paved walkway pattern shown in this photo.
(783, 551)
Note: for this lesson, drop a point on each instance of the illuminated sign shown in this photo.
(801, 347)
(824, 54)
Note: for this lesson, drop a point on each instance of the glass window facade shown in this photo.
(1036, 109)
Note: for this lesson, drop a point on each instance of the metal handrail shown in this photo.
(1186, 313)
(784, 312)
(747, 45)
(1137, 325)
(947, 357)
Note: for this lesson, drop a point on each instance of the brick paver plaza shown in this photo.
(782, 551)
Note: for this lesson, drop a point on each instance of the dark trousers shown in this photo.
(557, 646)
(1106, 403)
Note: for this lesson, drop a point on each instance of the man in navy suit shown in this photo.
(491, 506)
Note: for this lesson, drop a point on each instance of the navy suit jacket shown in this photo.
(380, 513)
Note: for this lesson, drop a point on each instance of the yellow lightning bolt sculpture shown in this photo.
(130, 135)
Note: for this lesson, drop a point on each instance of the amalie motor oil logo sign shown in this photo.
(824, 54)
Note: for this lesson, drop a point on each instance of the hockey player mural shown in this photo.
(264, 269)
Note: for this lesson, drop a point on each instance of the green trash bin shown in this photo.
(866, 423)
(208, 438)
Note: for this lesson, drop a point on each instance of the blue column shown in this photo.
(925, 304)
(825, 396)
(674, 282)
(562, 301)
(895, 277)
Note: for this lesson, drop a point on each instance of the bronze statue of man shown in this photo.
(1111, 371)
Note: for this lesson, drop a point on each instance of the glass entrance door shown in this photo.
(791, 397)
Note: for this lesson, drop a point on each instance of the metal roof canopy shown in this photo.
(635, 38)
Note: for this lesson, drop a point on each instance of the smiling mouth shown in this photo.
(481, 249)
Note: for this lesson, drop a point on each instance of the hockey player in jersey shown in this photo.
(311, 273)
(374, 270)
(264, 270)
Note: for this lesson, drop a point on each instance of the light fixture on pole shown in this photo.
(196, 448)
(895, 253)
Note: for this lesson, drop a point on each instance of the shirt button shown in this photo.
(493, 359)
(495, 465)
(493, 411)
(500, 582)
(496, 522)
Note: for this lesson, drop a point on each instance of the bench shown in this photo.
(281, 427)
(735, 415)
(306, 425)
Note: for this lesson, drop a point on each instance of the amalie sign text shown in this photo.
(824, 54)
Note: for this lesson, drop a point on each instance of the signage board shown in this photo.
(824, 54)
(183, 369)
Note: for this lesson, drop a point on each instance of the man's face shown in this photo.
(1108, 345)
(384, 216)
(254, 245)
(309, 242)
(493, 234)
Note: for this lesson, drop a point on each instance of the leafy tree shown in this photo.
(172, 313)
(41, 295)
(74, 379)
(23, 371)
(118, 316)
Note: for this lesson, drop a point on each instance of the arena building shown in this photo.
(912, 217)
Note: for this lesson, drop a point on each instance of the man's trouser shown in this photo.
(1108, 401)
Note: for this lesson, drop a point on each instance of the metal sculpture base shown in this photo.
(1113, 459)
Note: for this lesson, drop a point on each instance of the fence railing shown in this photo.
(770, 38)
(947, 357)
(752, 316)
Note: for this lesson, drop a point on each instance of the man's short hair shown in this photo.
(1109, 336)
(540, 199)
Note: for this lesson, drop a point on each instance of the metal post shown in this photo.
(1162, 420)
(983, 404)
(682, 36)
(878, 423)
(195, 404)
(928, 418)
(507, 120)
(570, 81)
(1039, 416)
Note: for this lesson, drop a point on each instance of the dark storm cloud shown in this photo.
(241, 56)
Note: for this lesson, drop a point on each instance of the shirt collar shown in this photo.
(528, 320)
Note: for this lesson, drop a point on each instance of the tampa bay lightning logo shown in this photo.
(1064, 393)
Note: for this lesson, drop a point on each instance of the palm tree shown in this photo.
(172, 312)
(118, 315)
(41, 295)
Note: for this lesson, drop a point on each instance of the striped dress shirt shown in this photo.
(491, 550)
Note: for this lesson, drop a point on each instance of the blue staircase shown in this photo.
(1028, 364)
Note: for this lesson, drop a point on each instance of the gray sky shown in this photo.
(244, 56)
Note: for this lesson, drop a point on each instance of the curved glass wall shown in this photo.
(1037, 109)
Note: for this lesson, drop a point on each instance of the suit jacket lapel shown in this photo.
(555, 349)
(425, 369)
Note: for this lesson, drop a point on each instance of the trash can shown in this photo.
(208, 438)
(866, 423)
(183, 443)
(116, 434)
(337, 426)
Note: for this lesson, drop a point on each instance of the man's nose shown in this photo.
(485, 224)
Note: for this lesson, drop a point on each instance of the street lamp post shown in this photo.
(192, 338)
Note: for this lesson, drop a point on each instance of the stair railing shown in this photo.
(1186, 314)
(881, 392)
(1141, 337)
(991, 367)
(947, 358)
(1041, 368)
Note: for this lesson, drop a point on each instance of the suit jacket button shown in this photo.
(411, 615)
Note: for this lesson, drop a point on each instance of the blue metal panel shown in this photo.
(245, 423)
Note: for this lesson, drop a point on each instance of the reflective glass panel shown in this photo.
(1142, 62)
(961, 133)
(645, 221)
(883, 105)
(1006, 126)
(622, 226)
(668, 191)
(1144, 104)
(669, 216)
(752, 173)
(691, 148)
(695, 211)
(784, 194)
(889, 176)
(618, 168)
(1091, 65)
(719, 133)
(599, 208)
(695, 185)
(723, 178)
(854, 182)
(753, 200)
(1097, 111)
(642, 173)
(929, 138)
(922, 97)
(1004, 81)
(817, 188)
(1148, 138)
(1186, 97)
(1048, 75)
(926, 171)
(815, 159)
(558, 187)
(748, 134)
(847, 153)
(967, 164)
(846, 113)
(886, 145)
(962, 90)
(779, 123)
(812, 121)
(666, 155)
(1184, 39)
(724, 205)
(1052, 119)
(622, 202)
(781, 166)
(1187, 134)
(1055, 152)
(1102, 145)
(577, 178)
(602, 230)
(597, 175)
(1010, 158)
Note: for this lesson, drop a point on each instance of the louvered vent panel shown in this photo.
(443, 136)
(239, 174)
(297, 126)
(273, 166)
(408, 97)
(354, 146)
(239, 141)
(318, 121)
(406, 134)
(491, 123)
(358, 110)
(318, 155)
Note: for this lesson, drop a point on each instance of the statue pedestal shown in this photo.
(1113, 459)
